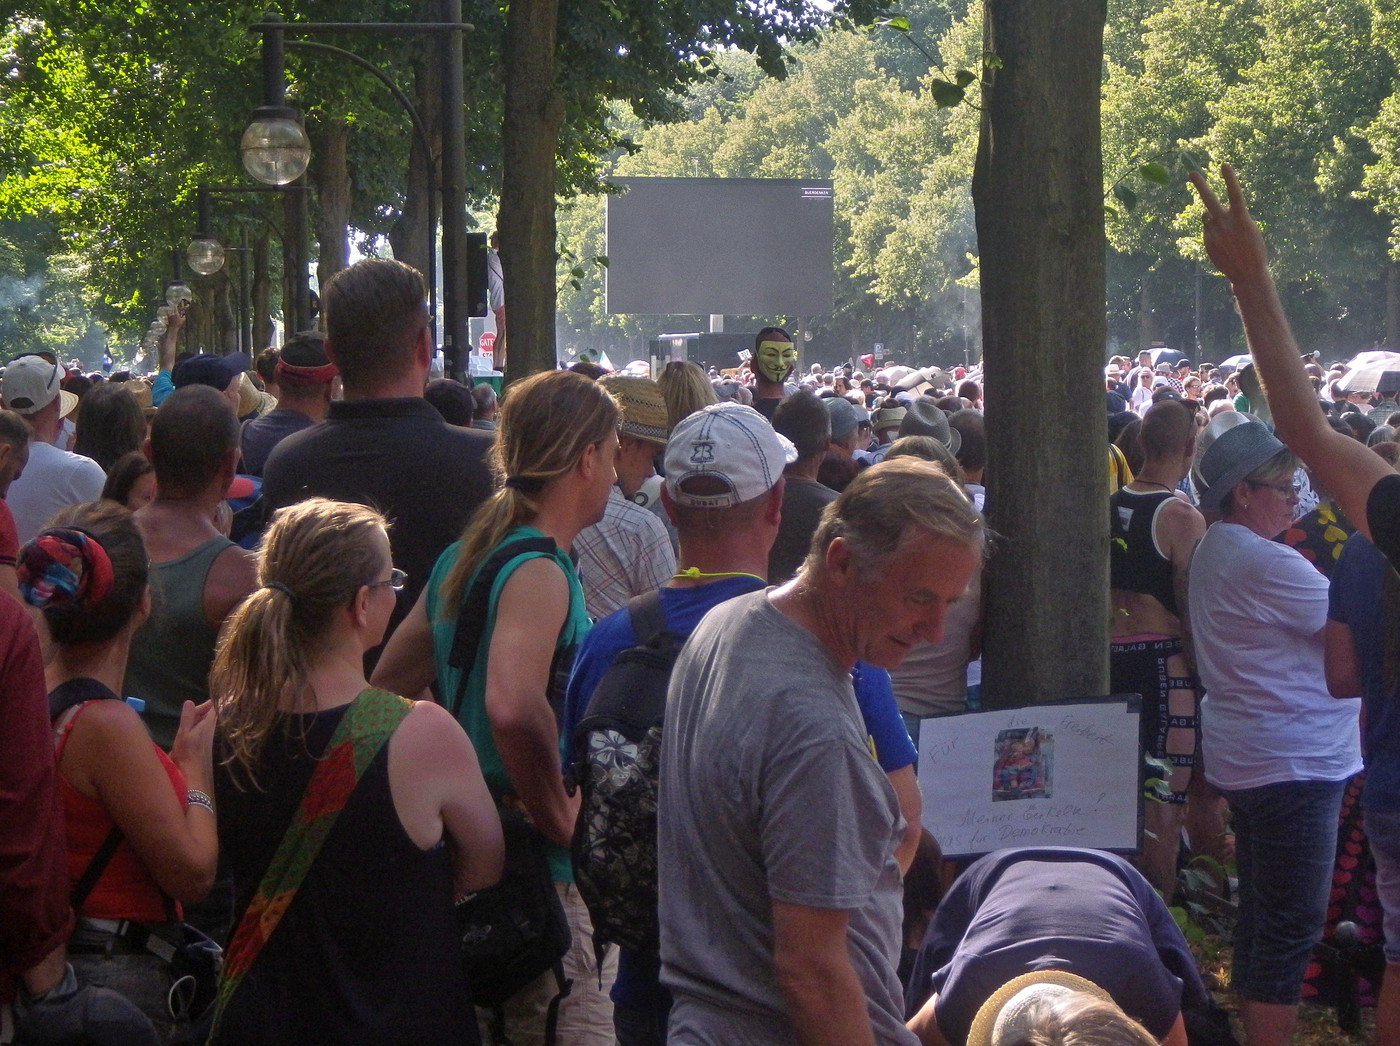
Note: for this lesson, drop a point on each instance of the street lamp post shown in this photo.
(452, 184)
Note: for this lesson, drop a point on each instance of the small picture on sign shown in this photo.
(1023, 765)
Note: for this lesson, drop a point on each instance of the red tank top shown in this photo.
(125, 890)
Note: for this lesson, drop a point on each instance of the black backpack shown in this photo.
(617, 766)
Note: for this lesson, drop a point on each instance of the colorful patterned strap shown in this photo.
(367, 725)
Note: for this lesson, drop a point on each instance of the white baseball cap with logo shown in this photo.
(728, 442)
(31, 382)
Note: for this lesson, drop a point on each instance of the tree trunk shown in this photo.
(1392, 305)
(534, 111)
(410, 236)
(332, 198)
(1149, 330)
(1038, 193)
(262, 295)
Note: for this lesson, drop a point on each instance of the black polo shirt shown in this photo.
(398, 456)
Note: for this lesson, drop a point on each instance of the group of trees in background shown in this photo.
(111, 114)
(1300, 96)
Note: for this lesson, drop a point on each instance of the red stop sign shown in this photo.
(487, 341)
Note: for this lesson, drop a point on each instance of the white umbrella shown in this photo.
(1364, 370)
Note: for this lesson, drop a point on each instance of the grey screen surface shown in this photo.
(734, 246)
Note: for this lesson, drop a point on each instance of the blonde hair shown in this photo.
(1080, 1019)
(686, 390)
(315, 557)
(547, 421)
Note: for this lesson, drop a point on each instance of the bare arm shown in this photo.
(232, 577)
(1180, 529)
(1233, 241)
(924, 1024)
(1339, 660)
(170, 340)
(110, 757)
(823, 995)
(529, 614)
(406, 666)
(438, 790)
(911, 805)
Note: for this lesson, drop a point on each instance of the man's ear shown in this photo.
(668, 505)
(773, 512)
(146, 449)
(588, 461)
(840, 563)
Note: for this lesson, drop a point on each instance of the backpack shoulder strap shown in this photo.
(73, 693)
(365, 728)
(644, 612)
(476, 607)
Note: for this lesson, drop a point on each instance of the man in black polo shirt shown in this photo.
(384, 445)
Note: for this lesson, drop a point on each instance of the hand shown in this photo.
(176, 319)
(1232, 238)
(193, 748)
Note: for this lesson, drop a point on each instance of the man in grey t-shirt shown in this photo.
(780, 896)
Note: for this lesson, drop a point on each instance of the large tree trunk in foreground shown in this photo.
(534, 112)
(1038, 191)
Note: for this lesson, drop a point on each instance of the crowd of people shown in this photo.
(295, 652)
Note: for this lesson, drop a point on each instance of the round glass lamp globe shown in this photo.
(177, 292)
(275, 151)
(205, 255)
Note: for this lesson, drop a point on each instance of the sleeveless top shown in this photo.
(472, 715)
(1135, 565)
(174, 647)
(125, 890)
(368, 951)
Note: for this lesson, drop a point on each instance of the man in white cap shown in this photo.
(780, 892)
(54, 478)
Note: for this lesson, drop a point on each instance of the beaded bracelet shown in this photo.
(194, 797)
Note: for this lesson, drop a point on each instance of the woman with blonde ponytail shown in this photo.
(554, 455)
(365, 951)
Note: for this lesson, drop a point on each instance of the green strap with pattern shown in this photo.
(367, 725)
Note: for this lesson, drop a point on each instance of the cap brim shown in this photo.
(66, 403)
(980, 1034)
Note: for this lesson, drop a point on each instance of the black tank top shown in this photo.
(1135, 565)
(367, 952)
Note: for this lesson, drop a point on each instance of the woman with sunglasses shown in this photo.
(1273, 739)
(366, 951)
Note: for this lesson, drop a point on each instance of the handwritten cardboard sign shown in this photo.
(1046, 775)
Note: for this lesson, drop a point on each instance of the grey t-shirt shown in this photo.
(769, 792)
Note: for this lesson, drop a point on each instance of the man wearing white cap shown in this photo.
(780, 892)
(54, 478)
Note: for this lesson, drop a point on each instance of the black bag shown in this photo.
(617, 765)
(516, 930)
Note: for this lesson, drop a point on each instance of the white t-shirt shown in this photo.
(53, 479)
(1257, 613)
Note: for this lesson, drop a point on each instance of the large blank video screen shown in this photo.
(731, 246)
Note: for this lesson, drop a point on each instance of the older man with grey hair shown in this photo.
(781, 897)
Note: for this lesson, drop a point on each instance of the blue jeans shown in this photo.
(1383, 833)
(1285, 847)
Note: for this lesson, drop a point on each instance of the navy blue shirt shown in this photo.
(1357, 599)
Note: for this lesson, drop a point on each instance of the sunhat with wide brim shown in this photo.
(1002, 1018)
(1233, 455)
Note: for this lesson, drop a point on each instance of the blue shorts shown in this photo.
(1285, 849)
